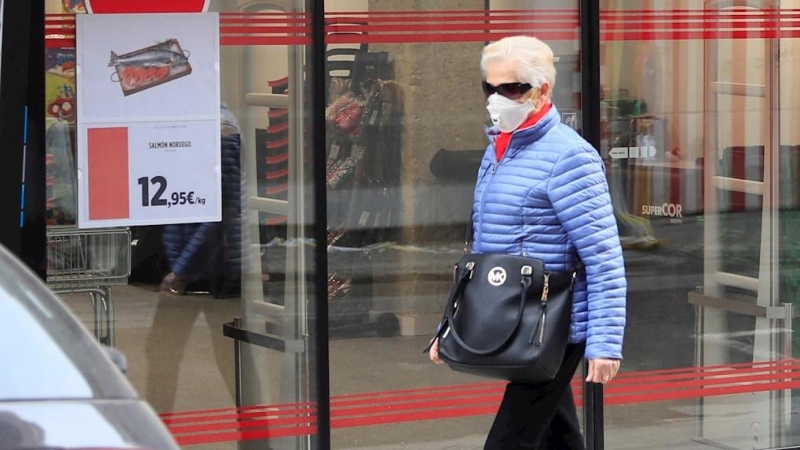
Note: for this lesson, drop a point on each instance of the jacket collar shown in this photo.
(526, 136)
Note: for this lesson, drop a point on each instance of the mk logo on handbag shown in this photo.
(497, 276)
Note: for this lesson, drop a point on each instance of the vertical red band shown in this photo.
(108, 173)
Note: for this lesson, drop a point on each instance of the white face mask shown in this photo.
(508, 114)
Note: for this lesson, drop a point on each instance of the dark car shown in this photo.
(58, 387)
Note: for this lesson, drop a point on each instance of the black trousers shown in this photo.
(540, 416)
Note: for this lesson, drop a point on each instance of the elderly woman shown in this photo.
(542, 192)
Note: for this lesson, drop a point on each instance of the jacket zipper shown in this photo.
(489, 181)
(508, 147)
(483, 205)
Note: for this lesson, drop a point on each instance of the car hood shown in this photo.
(118, 424)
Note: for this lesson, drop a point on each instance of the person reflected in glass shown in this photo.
(211, 251)
(542, 192)
(196, 252)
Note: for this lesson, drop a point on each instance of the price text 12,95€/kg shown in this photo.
(159, 184)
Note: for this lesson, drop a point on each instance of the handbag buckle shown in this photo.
(527, 271)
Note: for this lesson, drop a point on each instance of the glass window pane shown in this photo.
(406, 116)
(699, 162)
(189, 280)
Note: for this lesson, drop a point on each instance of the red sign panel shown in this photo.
(146, 6)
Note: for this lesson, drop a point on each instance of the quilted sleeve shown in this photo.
(578, 191)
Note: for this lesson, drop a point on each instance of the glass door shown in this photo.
(405, 131)
(700, 164)
(217, 318)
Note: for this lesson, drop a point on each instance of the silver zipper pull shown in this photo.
(542, 324)
(543, 320)
(546, 288)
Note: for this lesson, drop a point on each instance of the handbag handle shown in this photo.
(455, 292)
(526, 283)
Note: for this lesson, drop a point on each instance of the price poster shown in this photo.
(148, 119)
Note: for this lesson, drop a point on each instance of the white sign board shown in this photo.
(148, 119)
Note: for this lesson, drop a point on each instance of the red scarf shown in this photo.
(502, 141)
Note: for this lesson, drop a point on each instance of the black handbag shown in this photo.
(506, 318)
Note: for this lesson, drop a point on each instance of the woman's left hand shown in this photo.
(602, 370)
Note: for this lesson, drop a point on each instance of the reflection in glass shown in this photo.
(698, 161)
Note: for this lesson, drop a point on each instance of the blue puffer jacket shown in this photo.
(205, 249)
(548, 198)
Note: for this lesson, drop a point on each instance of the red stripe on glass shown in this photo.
(264, 40)
(700, 392)
(444, 27)
(232, 415)
(448, 396)
(541, 19)
(268, 422)
(389, 416)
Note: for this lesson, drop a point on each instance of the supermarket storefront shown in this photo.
(355, 129)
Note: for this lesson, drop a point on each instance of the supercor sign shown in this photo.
(146, 6)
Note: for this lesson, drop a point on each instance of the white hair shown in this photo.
(534, 60)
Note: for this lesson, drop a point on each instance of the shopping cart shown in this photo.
(90, 261)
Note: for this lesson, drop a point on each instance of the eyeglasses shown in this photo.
(511, 91)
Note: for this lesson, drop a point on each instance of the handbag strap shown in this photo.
(468, 236)
(450, 310)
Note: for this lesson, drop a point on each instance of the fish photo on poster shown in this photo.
(149, 67)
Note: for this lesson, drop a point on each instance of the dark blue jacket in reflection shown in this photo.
(208, 249)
